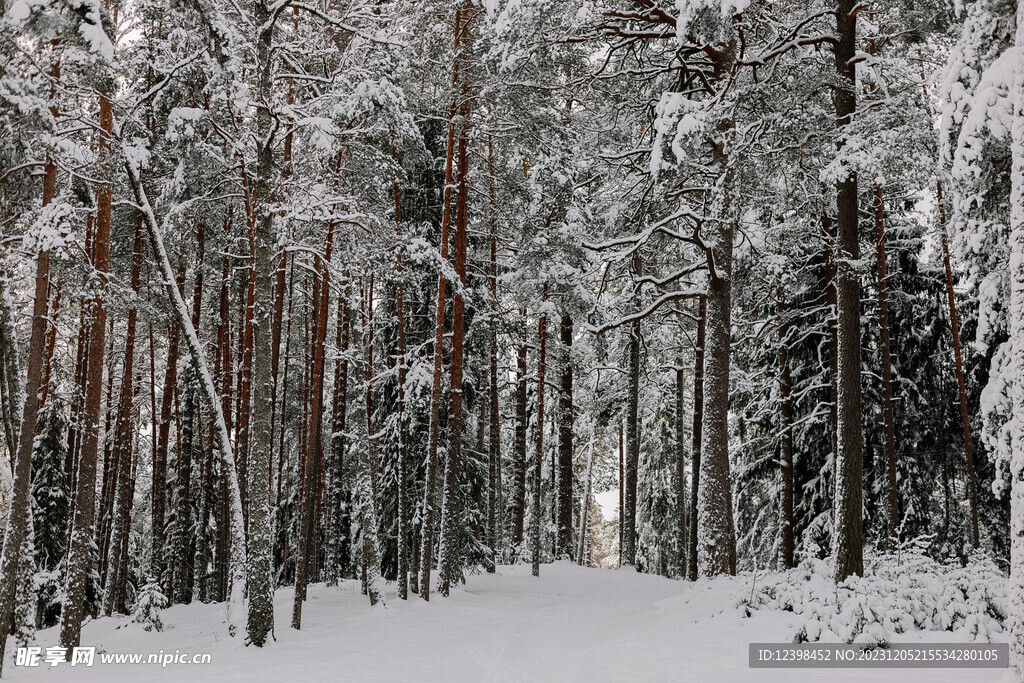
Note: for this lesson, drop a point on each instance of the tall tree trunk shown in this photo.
(51, 344)
(785, 442)
(368, 461)
(189, 451)
(260, 560)
(519, 484)
(81, 375)
(632, 450)
(716, 534)
(223, 544)
(123, 443)
(427, 527)
(19, 512)
(282, 454)
(495, 501)
(698, 429)
(247, 356)
(965, 424)
(538, 456)
(622, 488)
(321, 297)
(565, 443)
(581, 551)
(680, 438)
(828, 231)
(338, 532)
(85, 492)
(885, 350)
(158, 563)
(280, 270)
(404, 512)
(848, 521)
(450, 548)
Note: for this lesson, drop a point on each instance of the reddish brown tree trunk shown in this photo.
(321, 297)
(82, 524)
(114, 597)
(449, 553)
(223, 546)
(427, 527)
(51, 344)
(245, 378)
(972, 477)
(18, 518)
(338, 533)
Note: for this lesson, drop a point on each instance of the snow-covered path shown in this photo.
(572, 624)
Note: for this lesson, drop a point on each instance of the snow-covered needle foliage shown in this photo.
(899, 594)
(151, 602)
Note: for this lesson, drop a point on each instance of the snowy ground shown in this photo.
(571, 624)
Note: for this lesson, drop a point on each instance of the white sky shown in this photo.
(609, 502)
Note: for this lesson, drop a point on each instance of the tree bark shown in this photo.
(785, 442)
(123, 443)
(495, 500)
(622, 488)
(427, 527)
(716, 534)
(85, 491)
(885, 351)
(849, 539)
(632, 453)
(258, 324)
(965, 424)
(404, 512)
(565, 443)
(698, 429)
(321, 296)
(223, 545)
(449, 552)
(158, 563)
(368, 461)
(519, 491)
(538, 456)
(338, 532)
(189, 451)
(680, 439)
(19, 512)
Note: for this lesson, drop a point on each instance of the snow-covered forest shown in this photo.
(342, 309)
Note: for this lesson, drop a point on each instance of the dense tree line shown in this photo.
(312, 291)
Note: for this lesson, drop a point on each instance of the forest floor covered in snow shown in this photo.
(571, 624)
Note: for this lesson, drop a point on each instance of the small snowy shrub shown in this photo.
(49, 592)
(150, 603)
(900, 593)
